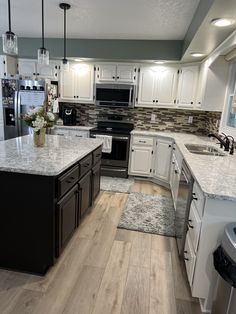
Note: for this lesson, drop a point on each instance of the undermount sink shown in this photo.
(204, 150)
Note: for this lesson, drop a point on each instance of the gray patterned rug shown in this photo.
(115, 184)
(148, 213)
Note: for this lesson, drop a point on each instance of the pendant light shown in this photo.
(43, 53)
(65, 6)
(9, 39)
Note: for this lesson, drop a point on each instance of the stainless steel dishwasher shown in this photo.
(183, 206)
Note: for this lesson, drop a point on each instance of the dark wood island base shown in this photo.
(39, 214)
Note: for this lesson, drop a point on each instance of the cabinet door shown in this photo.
(141, 161)
(106, 72)
(67, 82)
(49, 71)
(162, 159)
(125, 73)
(67, 209)
(85, 193)
(147, 87)
(96, 175)
(27, 67)
(189, 258)
(84, 82)
(8, 66)
(188, 79)
(166, 86)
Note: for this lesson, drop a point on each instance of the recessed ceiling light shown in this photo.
(222, 22)
(197, 54)
(159, 62)
(78, 60)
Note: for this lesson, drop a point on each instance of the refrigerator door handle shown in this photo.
(17, 110)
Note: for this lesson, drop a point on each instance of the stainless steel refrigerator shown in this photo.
(17, 98)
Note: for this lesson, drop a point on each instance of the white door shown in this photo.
(106, 72)
(167, 83)
(147, 87)
(67, 86)
(141, 161)
(27, 67)
(162, 159)
(49, 71)
(125, 73)
(84, 74)
(188, 79)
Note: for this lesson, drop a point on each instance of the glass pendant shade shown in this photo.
(9, 43)
(43, 56)
(65, 65)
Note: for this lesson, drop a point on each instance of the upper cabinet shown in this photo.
(31, 68)
(157, 86)
(119, 73)
(213, 82)
(8, 66)
(76, 84)
(187, 86)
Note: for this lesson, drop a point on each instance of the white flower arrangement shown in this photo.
(38, 118)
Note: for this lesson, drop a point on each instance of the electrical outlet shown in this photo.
(153, 117)
(190, 119)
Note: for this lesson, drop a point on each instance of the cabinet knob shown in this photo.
(153, 100)
(34, 73)
(117, 77)
(156, 100)
(113, 77)
(191, 102)
(169, 145)
(74, 96)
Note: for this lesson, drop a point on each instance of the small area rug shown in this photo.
(148, 213)
(115, 184)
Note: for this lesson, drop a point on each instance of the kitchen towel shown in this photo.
(107, 142)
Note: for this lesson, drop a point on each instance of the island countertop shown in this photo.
(60, 152)
(216, 175)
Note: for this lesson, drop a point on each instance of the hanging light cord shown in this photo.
(42, 23)
(9, 15)
(64, 33)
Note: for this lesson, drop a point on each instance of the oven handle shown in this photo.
(114, 137)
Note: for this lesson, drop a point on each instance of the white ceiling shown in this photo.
(102, 19)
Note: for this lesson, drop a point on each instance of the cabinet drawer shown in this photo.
(67, 180)
(198, 199)
(61, 132)
(141, 140)
(194, 226)
(189, 258)
(97, 154)
(85, 165)
(77, 133)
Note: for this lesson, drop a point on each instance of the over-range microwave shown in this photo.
(115, 95)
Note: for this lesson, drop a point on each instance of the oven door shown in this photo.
(119, 155)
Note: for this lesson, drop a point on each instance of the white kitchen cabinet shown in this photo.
(187, 86)
(212, 84)
(162, 159)
(8, 66)
(141, 156)
(113, 72)
(208, 217)
(31, 68)
(157, 86)
(175, 173)
(76, 84)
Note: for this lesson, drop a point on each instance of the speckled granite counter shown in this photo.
(216, 175)
(59, 153)
(74, 127)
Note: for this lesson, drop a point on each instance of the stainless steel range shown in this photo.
(115, 163)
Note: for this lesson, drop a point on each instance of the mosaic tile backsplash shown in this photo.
(175, 120)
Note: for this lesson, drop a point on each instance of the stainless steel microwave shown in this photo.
(115, 95)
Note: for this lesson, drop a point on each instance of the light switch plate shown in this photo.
(190, 119)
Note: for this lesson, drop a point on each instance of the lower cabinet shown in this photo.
(141, 161)
(96, 175)
(85, 199)
(162, 159)
(67, 211)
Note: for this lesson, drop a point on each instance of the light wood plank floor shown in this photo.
(105, 270)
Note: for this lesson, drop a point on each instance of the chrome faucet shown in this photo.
(223, 141)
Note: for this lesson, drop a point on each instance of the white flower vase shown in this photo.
(39, 137)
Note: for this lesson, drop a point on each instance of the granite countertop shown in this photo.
(216, 175)
(60, 152)
(74, 127)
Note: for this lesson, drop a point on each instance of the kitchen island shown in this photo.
(45, 192)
